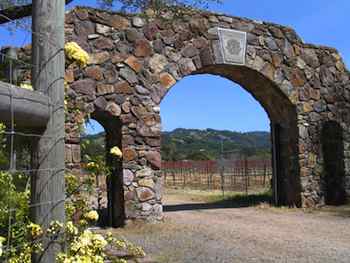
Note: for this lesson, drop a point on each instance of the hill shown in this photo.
(194, 144)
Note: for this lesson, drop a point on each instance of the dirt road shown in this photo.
(195, 232)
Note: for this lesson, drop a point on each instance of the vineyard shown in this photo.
(226, 175)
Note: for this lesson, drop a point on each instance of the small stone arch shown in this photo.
(115, 214)
(135, 59)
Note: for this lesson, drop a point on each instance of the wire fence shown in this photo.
(13, 149)
(225, 175)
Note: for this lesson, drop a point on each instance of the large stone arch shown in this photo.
(135, 59)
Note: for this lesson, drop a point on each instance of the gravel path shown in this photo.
(201, 234)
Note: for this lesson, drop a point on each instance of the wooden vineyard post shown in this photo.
(222, 179)
(164, 173)
(232, 174)
(247, 171)
(174, 180)
(235, 172)
(264, 180)
(184, 179)
(246, 175)
(207, 179)
(47, 183)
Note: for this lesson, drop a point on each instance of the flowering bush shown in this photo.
(26, 86)
(78, 191)
(83, 245)
(14, 211)
(93, 166)
(24, 237)
(35, 230)
(87, 247)
(2, 240)
(24, 255)
(75, 52)
(123, 244)
(116, 151)
(54, 229)
(92, 216)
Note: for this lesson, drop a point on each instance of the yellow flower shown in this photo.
(75, 52)
(26, 86)
(88, 244)
(120, 243)
(71, 229)
(35, 230)
(54, 228)
(83, 222)
(92, 165)
(99, 241)
(92, 215)
(23, 256)
(116, 151)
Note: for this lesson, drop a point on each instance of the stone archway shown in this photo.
(134, 61)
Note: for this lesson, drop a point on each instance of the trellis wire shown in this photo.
(27, 134)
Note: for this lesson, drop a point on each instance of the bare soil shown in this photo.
(194, 231)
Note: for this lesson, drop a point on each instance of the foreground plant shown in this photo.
(24, 237)
(87, 247)
(82, 244)
(2, 240)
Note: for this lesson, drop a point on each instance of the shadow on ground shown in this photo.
(232, 202)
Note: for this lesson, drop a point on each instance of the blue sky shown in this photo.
(212, 102)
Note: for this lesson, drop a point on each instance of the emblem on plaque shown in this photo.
(233, 46)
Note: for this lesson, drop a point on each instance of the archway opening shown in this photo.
(334, 169)
(101, 151)
(216, 144)
(93, 155)
(283, 142)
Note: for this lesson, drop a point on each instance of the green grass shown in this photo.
(216, 196)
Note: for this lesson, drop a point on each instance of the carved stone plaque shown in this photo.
(233, 45)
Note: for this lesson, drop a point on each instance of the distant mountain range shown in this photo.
(194, 144)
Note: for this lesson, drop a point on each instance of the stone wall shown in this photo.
(136, 59)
